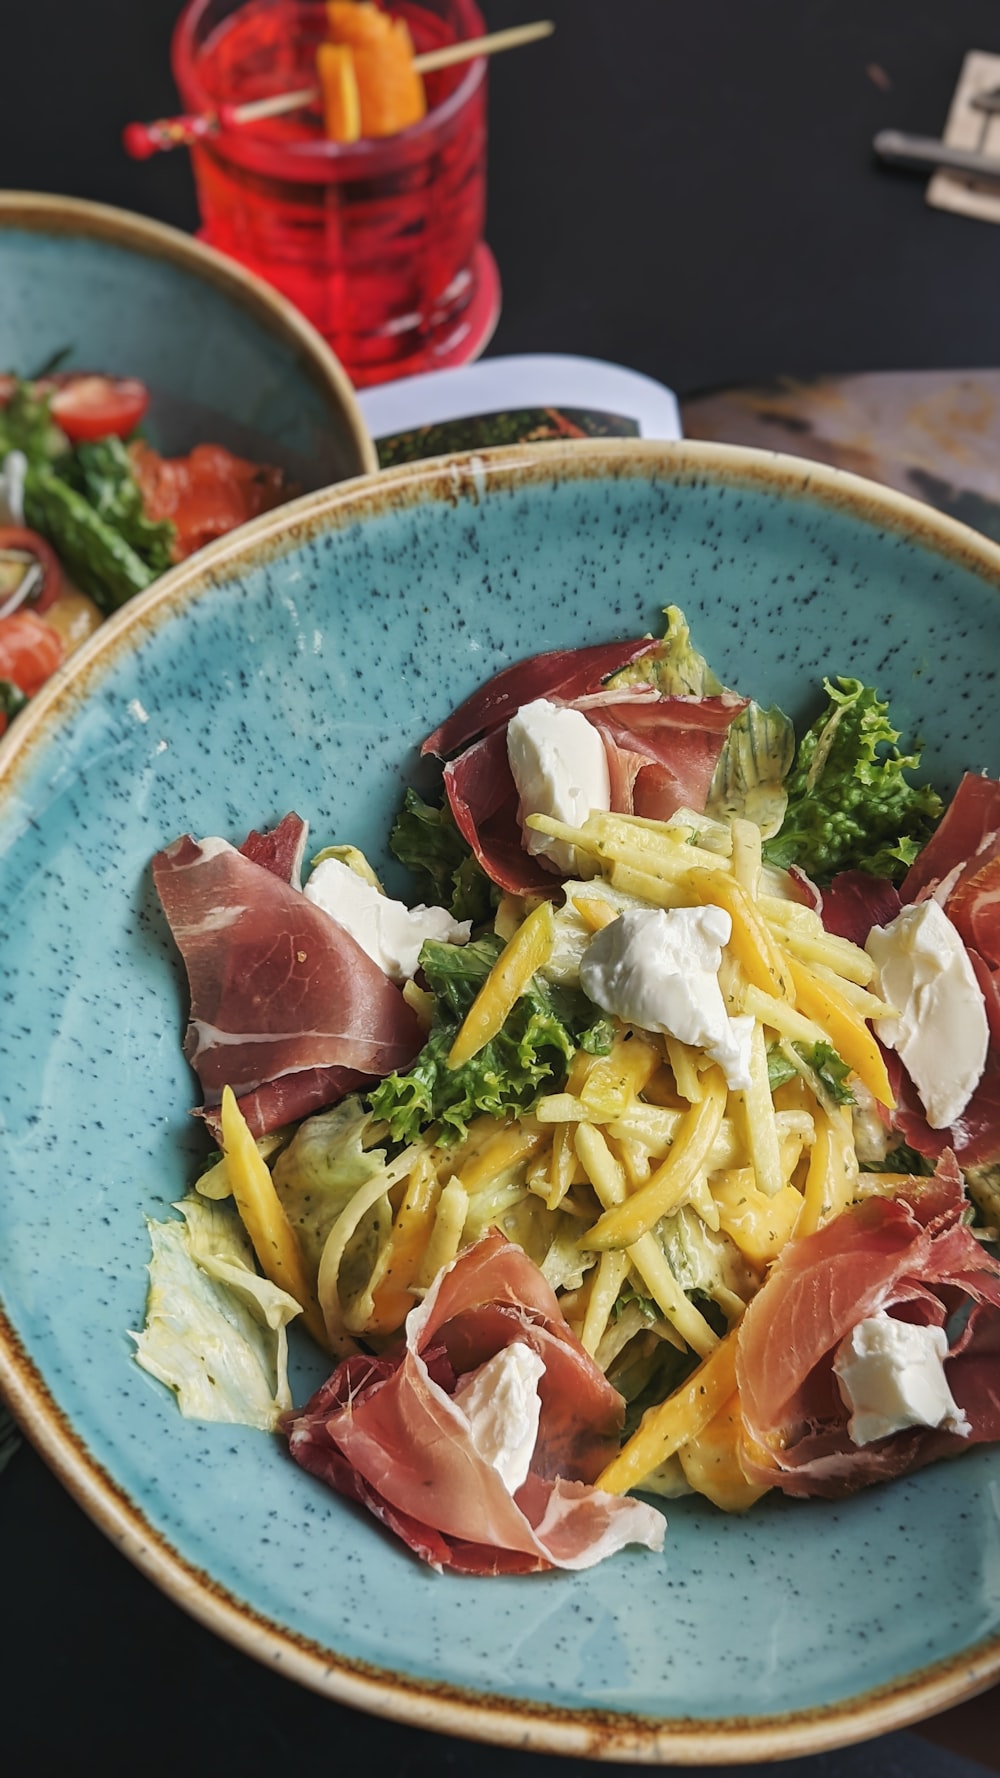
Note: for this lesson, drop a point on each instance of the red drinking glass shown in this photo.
(378, 242)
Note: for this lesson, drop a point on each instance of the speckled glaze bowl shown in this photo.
(298, 666)
(228, 361)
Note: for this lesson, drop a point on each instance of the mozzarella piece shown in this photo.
(891, 1375)
(659, 968)
(560, 768)
(501, 1403)
(389, 931)
(941, 1035)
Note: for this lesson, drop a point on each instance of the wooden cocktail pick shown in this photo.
(144, 139)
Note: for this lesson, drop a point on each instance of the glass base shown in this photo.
(460, 344)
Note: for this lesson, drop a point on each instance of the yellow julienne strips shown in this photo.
(747, 856)
(865, 1004)
(509, 1147)
(393, 1296)
(761, 1123)
(654, 849)
(682, 1060)
(561, 1166)
(356, 1208)
(751, 942)
(831, 1181)
(711, 1462)
(263, 1215)
(446, 1235)
(623, 1073)
(676, 1421)
(802, 932)
(594, 911)
(608, 1180)
(666, 1189)
(520, 959)
(657, 891)
(847, 1032)
(612, 1269)
(779, 1016)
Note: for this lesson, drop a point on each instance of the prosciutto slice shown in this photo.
(855, 901)
(386, 1432)
(563, 675)
(281, 849)
(278, 988)
(910, 1256)
(970, 822)
(661, 751)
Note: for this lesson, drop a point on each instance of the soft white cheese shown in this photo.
(659, 968)
(560, 768)
(501, 1403)
(941, 1035)
(891, 1375)
(389, 931)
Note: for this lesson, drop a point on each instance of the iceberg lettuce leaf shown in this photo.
(215, 1330)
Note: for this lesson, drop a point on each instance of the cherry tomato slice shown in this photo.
(29, 543)
(89, 407)
(30, 651)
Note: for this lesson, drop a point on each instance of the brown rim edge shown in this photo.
(49, 213)
(439, 1707)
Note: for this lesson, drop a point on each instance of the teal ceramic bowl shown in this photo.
(298, 665)
(226, 359)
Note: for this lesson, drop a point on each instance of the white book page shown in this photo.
(535, 380)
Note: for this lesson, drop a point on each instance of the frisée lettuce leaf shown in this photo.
(534, 1048)
(851, 805)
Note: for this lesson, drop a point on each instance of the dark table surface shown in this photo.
(685, 188)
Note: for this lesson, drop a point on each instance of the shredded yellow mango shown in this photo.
(521, 958)
(676, 1421)
(263, 1215)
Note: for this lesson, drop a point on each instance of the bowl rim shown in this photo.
(50, 213)
(436, 1705)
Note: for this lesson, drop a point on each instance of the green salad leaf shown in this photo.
(851, 805)
(674, 667)
(27, 425)
(95, 554)
(821, 1059)
(426, 840)
(215, 1329)
(533, 1050)
(102, 472)
(12, 699)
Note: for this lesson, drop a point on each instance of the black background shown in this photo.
(687, 187)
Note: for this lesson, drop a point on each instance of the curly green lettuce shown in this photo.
(851, 805)
(531, 1052)
(426, 840)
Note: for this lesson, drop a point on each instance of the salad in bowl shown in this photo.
(656, 1148)
(331, 640)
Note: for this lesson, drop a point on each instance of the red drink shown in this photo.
(378, 242)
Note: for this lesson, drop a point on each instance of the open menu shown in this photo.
(515, 400)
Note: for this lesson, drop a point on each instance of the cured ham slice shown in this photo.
(971, 820)
(280, 850)
(662, 753)
(483, 799)
(564, 674)
(290, 1098)
(277, 987)
(909, 1256)
(855, 901)
(388, 1433)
